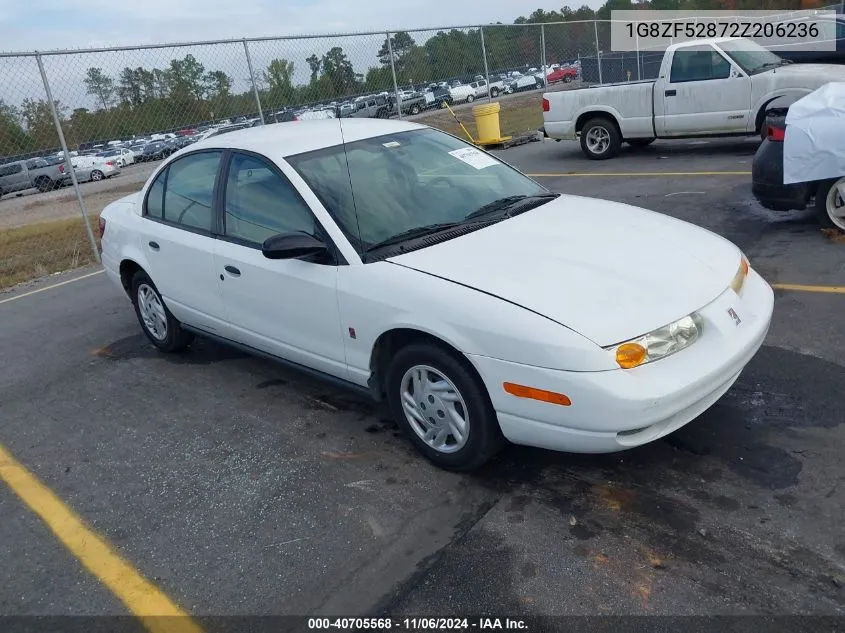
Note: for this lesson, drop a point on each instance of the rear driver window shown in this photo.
(183, 193)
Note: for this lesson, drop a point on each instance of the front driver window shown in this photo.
(260, 203)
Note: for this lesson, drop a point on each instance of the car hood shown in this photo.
(609, 271)
(810, 76)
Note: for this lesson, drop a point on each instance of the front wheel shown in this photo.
(415, 109)
(160, 326)
(567, 79)
(494, 92)
(600, 139)
(442, 407)
(470, 98)
(830, 204)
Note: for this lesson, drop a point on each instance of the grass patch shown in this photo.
(33, 251)
(519, 114)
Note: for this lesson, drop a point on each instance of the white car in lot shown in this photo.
(123, 156)
(399, 260)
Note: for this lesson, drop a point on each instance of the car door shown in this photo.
(704, 94)
(13, 177)
(177, 238)
(285, 307)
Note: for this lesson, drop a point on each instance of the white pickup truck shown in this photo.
(716, 87)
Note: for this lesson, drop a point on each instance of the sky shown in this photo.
(47, 24)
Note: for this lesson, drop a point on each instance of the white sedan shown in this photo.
(398, 260)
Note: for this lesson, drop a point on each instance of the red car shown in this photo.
(562, 74)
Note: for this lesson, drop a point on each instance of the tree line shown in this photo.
(143, 100)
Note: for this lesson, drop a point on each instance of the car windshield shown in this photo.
(750, 56)
(380, 189)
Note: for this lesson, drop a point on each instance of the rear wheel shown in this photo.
(443, 407)
(470, 98)
(160, 326)
(567, 79)
(415, 109)
(43, 184)
(830, 204)
(600, 139)
(97, 175)
(494, 92)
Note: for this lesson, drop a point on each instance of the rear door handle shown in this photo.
(670, 93)
(233, 271)
(154, 246)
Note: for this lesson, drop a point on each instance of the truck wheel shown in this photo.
(494, 92)
(470, 98)
(567, 79)
(830, 204)
(640, 142)
(43, 184)
(415, 109)
(600, 139)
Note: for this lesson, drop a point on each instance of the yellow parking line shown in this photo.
(643, 173)
(840, 290)
(61, 283)
(141, 597)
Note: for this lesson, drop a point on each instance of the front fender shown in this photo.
(780, 98)
(379, 297)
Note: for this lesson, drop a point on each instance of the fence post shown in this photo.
(543, 53)
(598, 52)
(486, 69)
(393, 72)
(639, 72)
(252, 79)
(68, 163)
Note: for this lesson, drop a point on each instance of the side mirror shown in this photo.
(294, 246)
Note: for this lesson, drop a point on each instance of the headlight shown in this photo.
(741, 274)
(658, 344)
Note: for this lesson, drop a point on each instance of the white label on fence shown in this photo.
(473, 157)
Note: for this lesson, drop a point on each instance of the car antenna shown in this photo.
(349, 174)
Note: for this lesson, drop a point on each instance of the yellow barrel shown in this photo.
(487, 122)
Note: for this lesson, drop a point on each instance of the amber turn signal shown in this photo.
(630, 355)
(521, 391)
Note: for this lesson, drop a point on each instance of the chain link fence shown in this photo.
(115, 111)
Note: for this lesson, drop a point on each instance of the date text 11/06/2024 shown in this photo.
(417, 624)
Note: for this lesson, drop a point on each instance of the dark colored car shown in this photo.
(831, 34)
(153, 151)
(770, 191)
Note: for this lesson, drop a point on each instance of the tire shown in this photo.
(567, 79)
(168, 335)
(443, 104)
(415, 109)
(470, 98)
(828, 200)
(494, 92)
(97, 175)
(600, 139)
(482, 437)
(640, 142)
(43, 184)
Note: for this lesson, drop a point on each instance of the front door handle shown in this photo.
(233, 271)
(670, 93)
(154, 246)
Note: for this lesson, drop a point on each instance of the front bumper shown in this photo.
(618, 409)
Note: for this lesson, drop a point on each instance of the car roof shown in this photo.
(279, 140)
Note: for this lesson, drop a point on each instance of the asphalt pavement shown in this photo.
(240, 488)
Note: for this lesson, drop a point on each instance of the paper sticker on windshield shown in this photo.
(391, 144)
(473, 157)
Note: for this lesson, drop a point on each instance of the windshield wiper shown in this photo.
(417, 231)
(508, 204)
